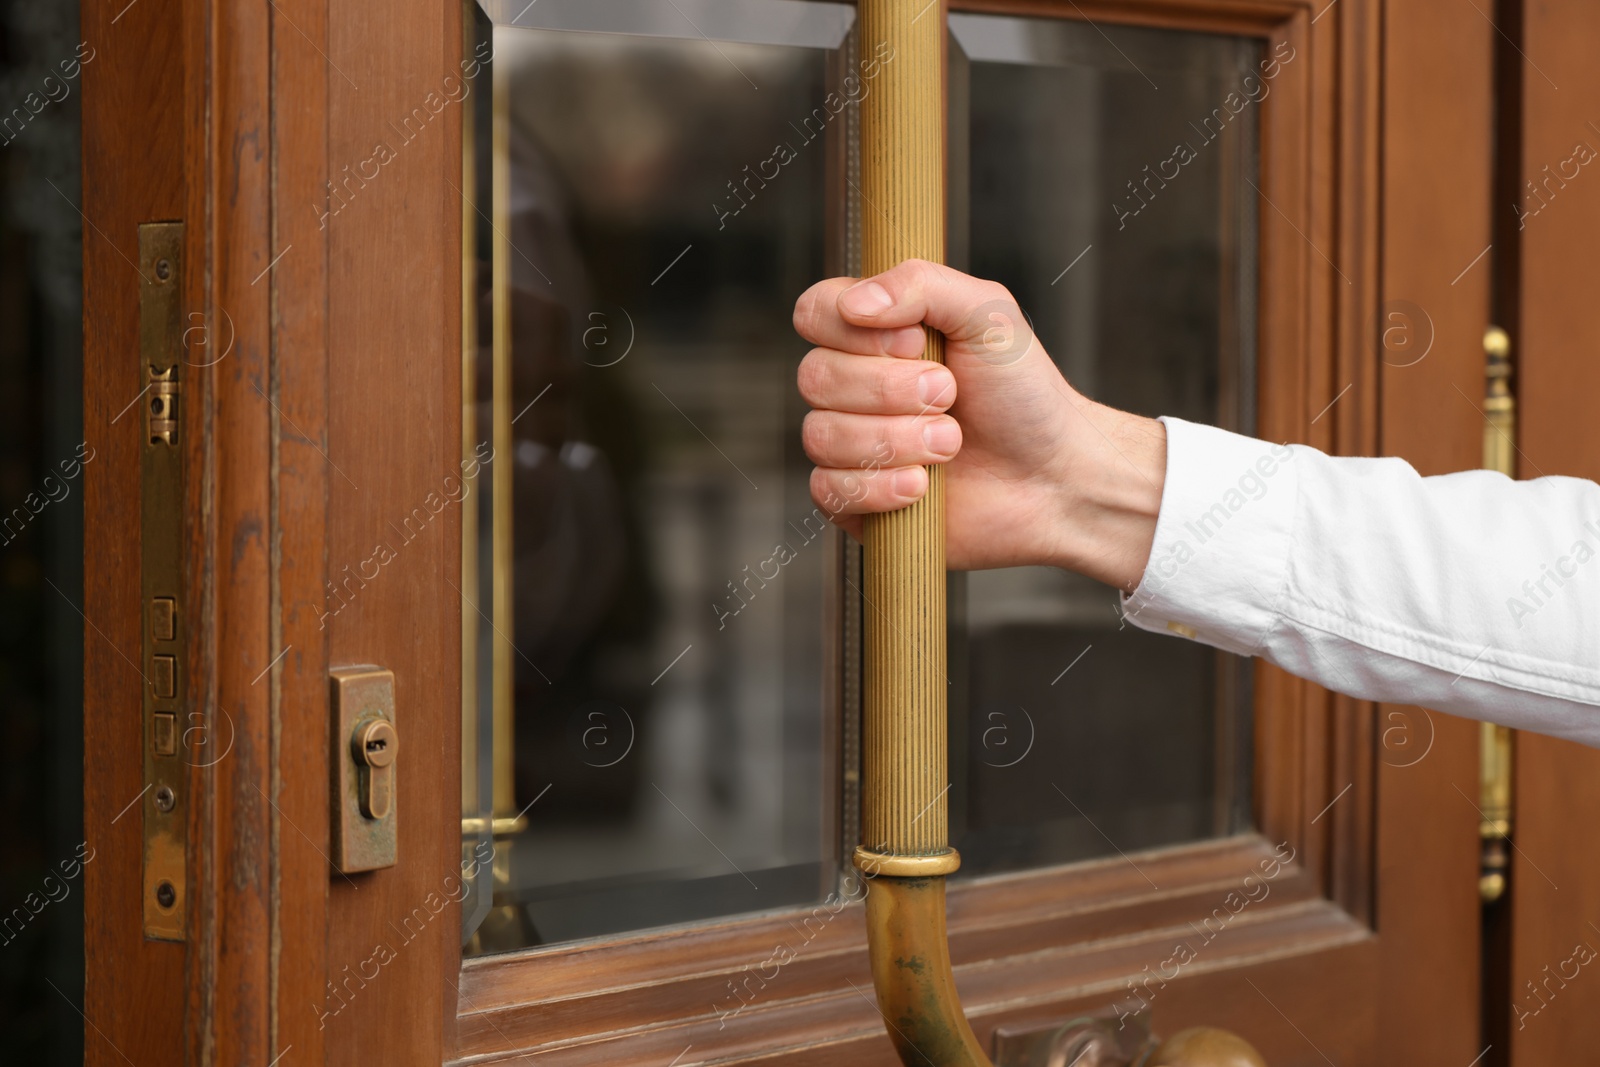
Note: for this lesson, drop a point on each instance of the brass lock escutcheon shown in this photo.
(366, 791)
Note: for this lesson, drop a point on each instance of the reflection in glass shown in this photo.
(1082, 734)
(663, 671)
(662, 202)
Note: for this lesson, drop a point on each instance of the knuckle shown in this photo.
(814, 377)
(823, 490)
(921, 274)
(994, 292)
(802, 310)
(907, 276)
(819, 485)
(894, 387)
(809, 311)
(816, 433)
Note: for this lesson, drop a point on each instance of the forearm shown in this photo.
(1469, 593)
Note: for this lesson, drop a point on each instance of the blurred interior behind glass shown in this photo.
(666, 204)
(1082, 734)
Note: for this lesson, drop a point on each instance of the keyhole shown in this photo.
(377, 745)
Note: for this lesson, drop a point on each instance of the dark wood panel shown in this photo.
(394, 432)
(1556, 869)
(1437, 104)
(134, 108)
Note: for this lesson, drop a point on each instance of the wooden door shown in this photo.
(336, 234)
(1546, 225)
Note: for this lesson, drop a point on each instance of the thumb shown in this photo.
(977, 317)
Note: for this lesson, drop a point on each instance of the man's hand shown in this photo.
(1035, 473)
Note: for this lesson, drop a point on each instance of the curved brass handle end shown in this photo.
(911, 972)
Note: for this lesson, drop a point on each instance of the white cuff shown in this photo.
(1220, 561)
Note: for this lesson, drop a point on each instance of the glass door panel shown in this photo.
(664, 623)
(663, 198)
(1120, 217)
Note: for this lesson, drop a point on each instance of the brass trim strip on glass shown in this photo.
(469, 432)
(505, 805)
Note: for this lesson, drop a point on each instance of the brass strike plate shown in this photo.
(165, 810)
(1115, 1036)
(365, 744)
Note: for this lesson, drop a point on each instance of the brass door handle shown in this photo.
(906, 851)
(1205, 1046)
(1120, 1038)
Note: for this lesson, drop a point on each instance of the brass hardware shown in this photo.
(1205, 1047)
(1499, 435)
(1109, 1038)
(880, 863)
(375, 745)
(498, 827)
(1120, 1038)
(505, 819)
(163, 386)
(502, 546)
(161, 580)
(1495, 743)
(164, 676)
(507, 923)
(164, 733)
(163, 619)
(904, 744)
(365, 790)
(910, 956)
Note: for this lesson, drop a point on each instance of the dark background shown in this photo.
(41, 632)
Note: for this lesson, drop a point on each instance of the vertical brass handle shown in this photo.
(902, 177)
(904, 822)
(905, 777)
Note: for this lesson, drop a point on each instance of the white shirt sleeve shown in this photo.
(1467, 593)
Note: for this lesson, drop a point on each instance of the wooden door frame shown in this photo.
(1438, 103)
(1554, 899)
(246, 114)
(214, 114)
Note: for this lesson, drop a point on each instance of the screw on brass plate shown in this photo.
(165, 798)
(163, 269)
(166, 895)
(375, 745)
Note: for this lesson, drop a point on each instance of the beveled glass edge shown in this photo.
(802, 23)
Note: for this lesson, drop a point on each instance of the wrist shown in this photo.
(1109, 497)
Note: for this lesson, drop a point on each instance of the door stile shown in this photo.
(1352, 863)
(302, 478)
(1437, 105)
(1555, 876)
(394, 431)
(134, 990)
